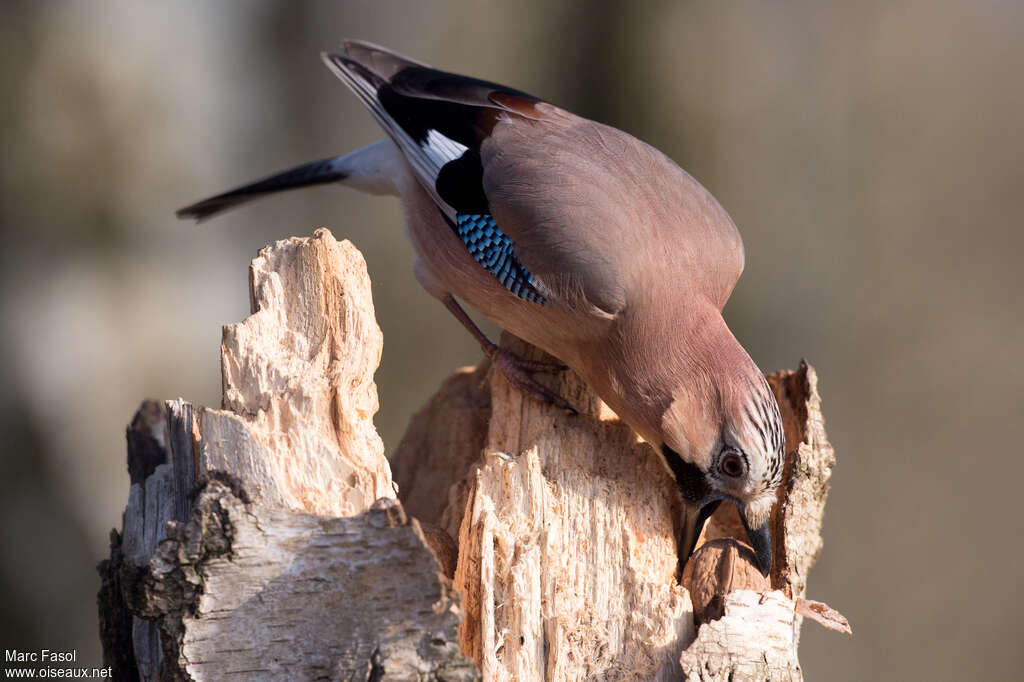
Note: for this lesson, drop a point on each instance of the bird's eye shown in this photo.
(731, 465)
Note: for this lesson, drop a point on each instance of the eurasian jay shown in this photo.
(583, 241)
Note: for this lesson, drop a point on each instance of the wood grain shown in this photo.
(264, 540)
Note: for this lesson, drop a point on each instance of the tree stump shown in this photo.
(265, 540)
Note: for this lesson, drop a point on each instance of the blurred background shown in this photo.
(871, 153)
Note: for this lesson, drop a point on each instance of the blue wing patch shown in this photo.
(491, 248)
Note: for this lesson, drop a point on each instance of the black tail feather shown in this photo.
(319, 172)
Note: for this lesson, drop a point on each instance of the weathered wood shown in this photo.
(264, 540)
(566, 550)
(567, 558)
(443, 442)
(161, 468)
(299, 398)
(798, 517)
(274, 594)
(754, 640)
(295, 561)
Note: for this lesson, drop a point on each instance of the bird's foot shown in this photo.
(517, 371)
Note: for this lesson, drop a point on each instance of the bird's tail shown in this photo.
(367, 169)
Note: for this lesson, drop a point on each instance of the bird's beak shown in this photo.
(693, 524)
(760, 538)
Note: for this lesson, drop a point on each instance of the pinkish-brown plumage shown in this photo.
(582, 240)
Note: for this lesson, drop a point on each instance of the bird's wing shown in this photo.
(553, 205)
(632, 226)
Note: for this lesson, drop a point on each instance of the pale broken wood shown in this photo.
(567, 557)
(754, 640)
(299, 396)
(295, 561)
(566, 548)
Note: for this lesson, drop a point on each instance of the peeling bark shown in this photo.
(263, 540)
(276, 594)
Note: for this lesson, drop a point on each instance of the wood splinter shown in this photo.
(722, 566)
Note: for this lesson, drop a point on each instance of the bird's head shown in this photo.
(725, 442)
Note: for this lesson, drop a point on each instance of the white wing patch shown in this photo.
(442, 148)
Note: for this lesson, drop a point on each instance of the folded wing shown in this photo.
(554, 206)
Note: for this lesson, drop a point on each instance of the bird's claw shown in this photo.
(517, 371)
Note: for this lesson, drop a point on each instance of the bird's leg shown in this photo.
(515, 368)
